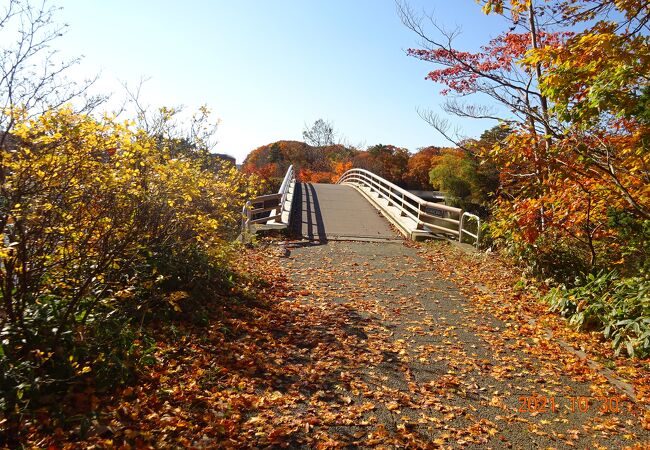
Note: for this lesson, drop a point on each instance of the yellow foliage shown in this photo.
(92, 209)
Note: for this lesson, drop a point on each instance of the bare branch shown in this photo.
(31, 76)
(453, 106)
(444, 127)
(320, 134)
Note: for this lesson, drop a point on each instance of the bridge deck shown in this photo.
(337, 212)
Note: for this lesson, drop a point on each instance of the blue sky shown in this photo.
(266, 68)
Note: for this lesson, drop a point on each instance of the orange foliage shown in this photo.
(265, 172)
(327, 164)
(418, 167)
(341, 167)
(310, 176)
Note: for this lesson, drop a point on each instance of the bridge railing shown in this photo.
(272, 210)
(431, 217)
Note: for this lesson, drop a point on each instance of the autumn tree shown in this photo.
(569, 103)
(418, 167)
(314, 164)
(271, 161)
(496, 73)
(391, 161)
(596, 82)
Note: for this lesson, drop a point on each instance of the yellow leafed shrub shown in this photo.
(99, 220)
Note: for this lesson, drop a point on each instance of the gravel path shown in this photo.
(440, 371)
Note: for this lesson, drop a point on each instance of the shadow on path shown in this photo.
(307, 217)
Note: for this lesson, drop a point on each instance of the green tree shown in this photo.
(452, 173)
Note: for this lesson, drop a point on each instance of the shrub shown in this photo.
(100, 222)
(617, 307)
(634, 236)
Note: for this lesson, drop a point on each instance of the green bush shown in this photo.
(549, 257)
(617, 307)
(634, 235)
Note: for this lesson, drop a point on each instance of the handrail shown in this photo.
(428, 216)
(287, 183)
(279, 205)
(478, 226)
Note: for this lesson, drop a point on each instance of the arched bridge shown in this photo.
(360, 206)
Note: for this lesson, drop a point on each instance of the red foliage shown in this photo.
(463, 70)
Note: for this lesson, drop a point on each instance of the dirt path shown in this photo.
(424, 367)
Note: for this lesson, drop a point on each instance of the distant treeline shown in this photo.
(457, 171)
